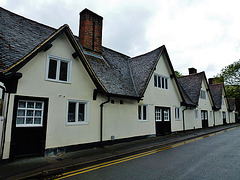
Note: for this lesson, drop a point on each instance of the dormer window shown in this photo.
(58, 69)
(203, 94)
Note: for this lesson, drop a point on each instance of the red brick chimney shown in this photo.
(90, 31)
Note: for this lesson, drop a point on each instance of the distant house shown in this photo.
(198, 110)
(62, 92)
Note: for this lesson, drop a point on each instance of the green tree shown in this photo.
(230, 75)
(178, 74)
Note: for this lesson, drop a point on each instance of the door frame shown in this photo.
(14, 128)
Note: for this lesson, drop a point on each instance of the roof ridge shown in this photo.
(29, 19)
(147, 52)
(116, 52)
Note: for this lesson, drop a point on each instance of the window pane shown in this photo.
(30, 105)
(158, 114)
(37, 120)
(52, 71)
(71, 112)
(38, 105)
(63, 71)
(139, 112)
(166, 84)
(38, 113)
(29, 112)
(21, 104)
(21, 113)
(144, 112)
(20, 120)
(81, 113)
(155, 80)
(163, 86)
(29, 120)
(159, 81)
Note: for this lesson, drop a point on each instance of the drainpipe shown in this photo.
(183, 119)
(4, 127)
(101, 120)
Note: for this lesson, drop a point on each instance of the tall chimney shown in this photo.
(211, 80)
(192, 70)
(90, 31)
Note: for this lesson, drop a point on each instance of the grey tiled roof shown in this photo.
(118, 74)
(216, 91)
(18, 37)
(231, 102)
(190, 87)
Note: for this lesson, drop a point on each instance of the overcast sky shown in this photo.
(204, 34)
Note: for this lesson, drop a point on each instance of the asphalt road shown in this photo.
(215, 157)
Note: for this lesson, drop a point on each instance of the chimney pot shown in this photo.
(192, 70)
(90, 31)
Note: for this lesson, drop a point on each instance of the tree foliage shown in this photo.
(178, 74)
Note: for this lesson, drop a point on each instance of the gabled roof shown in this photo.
(190, 87)
(231, 102)
(112, 72)
(216, 91)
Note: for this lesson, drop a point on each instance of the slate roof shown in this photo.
(190, 87)
(231, 102)
(117, 73)
(18, 37)
(216, 91)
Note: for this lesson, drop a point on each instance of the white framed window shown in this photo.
(58, 69)
(177, 113)
(203, 94)
(166, 115)
(142, 112)
(30, 113)
(224, 115)
(77, 112)
(158, 114)
(196, 114)
(160, 81)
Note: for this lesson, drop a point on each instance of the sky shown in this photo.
(204, 34)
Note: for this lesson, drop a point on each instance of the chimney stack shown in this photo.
(211, 81)
(192, 70)
(90, 31)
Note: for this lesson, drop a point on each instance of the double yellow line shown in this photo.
(117, 161)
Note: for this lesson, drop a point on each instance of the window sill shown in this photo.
(140, 120)
(178, 119)
(77, 124)
(57, 81)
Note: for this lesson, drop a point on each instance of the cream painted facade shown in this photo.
(158, 97)
(193, 117)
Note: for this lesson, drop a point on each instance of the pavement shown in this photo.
(42, 167)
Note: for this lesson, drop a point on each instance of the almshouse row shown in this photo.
(62, 92)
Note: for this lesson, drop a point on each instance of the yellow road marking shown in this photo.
(128, 158)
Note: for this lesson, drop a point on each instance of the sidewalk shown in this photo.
(41, 166)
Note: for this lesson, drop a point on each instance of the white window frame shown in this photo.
(86, 112)
(162, 78)
(33, 116)
(166, 113)
(59, 60)
(203, 94)
(178, 113)
(220, 114)
(158, 114)
(142, 105)
(196, 114)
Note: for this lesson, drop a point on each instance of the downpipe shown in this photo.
(101, 120)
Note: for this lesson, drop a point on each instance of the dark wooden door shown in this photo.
(29, 126)
(224, 118)
(204, 117)
(163, 120)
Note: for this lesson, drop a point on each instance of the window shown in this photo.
(58, 69)
(158, 114)
(196, 114)
(29, 113)
(203, 94)
(160, 81)
(142, 112)
(224, 115)
(77, 112)
(166, 115)
(177, 113)
(220, 114)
